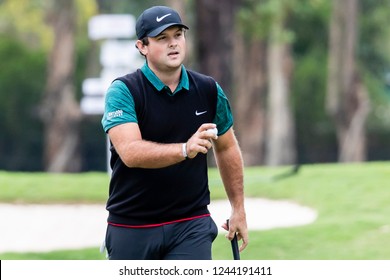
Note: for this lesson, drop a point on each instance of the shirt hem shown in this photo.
(159, 224)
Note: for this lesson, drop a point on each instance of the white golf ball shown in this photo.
(213, 130)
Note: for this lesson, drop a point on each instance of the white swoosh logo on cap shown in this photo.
(158, 19)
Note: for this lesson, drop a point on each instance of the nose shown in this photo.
(173, 42)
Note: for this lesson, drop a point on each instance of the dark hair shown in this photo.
(145, 42)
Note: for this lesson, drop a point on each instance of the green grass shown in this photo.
(352, 201)
(45, 188)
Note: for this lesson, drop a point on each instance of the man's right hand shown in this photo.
(200, 142)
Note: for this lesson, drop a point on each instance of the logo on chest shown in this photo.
(200, 113)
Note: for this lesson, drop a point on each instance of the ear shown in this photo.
(141, 47)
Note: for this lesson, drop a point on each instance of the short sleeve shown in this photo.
(119, 106)
(223, 117)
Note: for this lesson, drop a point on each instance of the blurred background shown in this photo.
(309, 81)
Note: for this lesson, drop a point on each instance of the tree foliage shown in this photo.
(25, 41)
(25, 20)
(23, 71)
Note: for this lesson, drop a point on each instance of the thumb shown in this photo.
(230, 235)
(231, 232)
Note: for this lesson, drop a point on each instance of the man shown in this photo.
(160, 120)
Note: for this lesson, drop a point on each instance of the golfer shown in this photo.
(161, 122)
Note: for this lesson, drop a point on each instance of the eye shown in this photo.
(161, 37)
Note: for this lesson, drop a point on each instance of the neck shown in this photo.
(169, 77)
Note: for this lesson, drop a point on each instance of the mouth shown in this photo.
(173, 53)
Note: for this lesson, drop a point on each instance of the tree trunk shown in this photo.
(215, 34)
(347, 100)
(250, 89)
(238, 64)
(280, 143)
(180, 7)
(61, 112)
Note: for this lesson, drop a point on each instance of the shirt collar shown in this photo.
(159, 85)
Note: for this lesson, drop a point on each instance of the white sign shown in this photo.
(111, 26)
(117, 56)
(93, 87)
(107, 75)
(92, 105)
(120, 53)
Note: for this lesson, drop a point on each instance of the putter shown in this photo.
(236, 252)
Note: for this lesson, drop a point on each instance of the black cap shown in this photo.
(155, 20)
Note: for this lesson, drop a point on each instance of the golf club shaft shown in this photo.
(234, 242)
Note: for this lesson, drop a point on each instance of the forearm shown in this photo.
(137, 152)
(230, 165)
(146, 154)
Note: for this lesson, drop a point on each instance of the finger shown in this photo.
(230, 235)
(204, 146)
(206, 126)
(208, 144)
(243, 245)
(224, 226)
(209, 134)
(244, 242)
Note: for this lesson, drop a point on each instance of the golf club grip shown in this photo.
(234, 242)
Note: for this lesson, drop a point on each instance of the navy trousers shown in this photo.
(188, 240)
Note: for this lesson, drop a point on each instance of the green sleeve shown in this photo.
(119, 106)
(223, 117)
